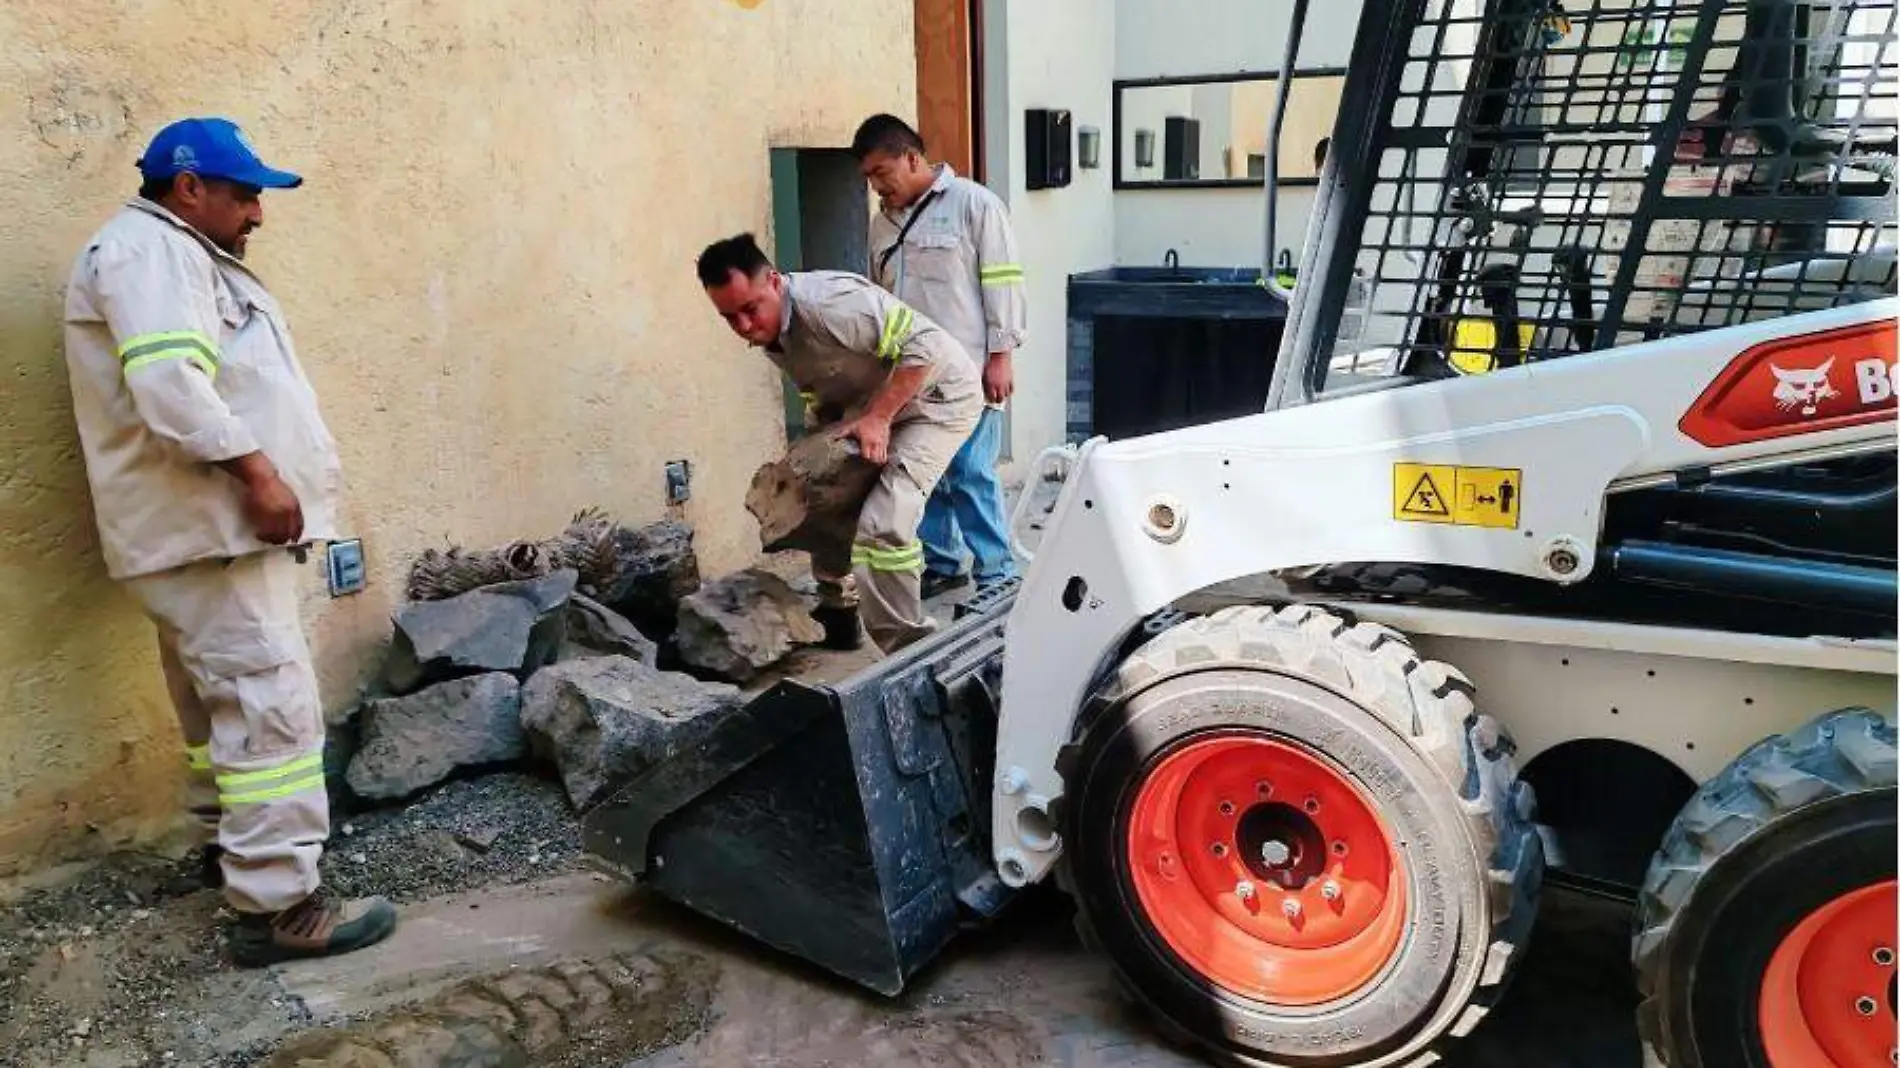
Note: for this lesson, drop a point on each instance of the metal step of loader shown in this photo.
(847, 824)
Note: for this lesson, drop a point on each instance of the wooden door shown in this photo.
(947, 78)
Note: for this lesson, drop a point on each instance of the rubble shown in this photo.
(602, 719)
(410, 743)
(737, 626)
(593, 629)
(653, 567)
(510, 626)
(809, 498)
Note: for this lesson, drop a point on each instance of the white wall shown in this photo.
(1168, 38)
(1061, 231)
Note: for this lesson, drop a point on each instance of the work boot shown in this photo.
(842, 631)
(313, 927)
(934, 584)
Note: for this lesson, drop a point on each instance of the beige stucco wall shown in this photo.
(488, 273)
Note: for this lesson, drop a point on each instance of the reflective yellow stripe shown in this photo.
(878, 558)
(190, 345)
(1001, 274)
(810, 399)
(198, 757)
(292, 777)
(312, 781)
(896, 329)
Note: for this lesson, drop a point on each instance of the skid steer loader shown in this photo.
(1565, 550)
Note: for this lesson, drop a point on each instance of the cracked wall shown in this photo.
(488, 275)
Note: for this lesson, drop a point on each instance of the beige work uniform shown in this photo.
(840, 339)
(957, 263)
(179, 359)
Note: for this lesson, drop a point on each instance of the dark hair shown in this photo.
(721, 258)
(1319, 152)
(155, 189)
(885, 133)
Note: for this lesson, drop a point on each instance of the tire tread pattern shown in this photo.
(1427, 703)
(1834, 754)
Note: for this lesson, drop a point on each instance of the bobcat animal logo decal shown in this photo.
(1803, 388)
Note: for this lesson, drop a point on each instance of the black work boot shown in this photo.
(934, 584)
(842, 631)
(313, 927)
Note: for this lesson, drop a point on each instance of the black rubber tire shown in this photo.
(1793, 823)
(1406, 732)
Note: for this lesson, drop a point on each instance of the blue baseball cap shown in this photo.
(211, 148)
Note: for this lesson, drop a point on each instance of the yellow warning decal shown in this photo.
(1461, 496)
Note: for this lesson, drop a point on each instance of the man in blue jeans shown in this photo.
(943, 245)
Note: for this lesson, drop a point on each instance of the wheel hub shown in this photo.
(1828, 994)
(1266, 870)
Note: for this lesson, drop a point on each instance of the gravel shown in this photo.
(123, 963)
(493, 831)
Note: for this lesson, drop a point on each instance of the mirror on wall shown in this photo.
(1213, 131)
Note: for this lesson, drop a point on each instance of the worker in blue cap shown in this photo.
(208, 459)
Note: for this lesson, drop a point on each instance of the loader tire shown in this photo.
(1324, 765)
(1765, 930)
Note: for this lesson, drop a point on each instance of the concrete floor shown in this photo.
(1023, 992)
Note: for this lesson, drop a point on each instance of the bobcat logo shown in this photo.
(1803, 388)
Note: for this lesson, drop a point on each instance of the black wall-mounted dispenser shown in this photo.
(1049, 132)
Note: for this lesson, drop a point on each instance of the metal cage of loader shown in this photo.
(1529, 179)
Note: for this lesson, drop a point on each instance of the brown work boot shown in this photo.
(842, 631)
(313, 927)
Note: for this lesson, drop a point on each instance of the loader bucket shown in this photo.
(847, 824)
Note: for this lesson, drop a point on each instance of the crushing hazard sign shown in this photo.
(1460, 496)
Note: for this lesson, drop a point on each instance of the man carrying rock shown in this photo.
(943, 245)
(875, 371)
(208, 460)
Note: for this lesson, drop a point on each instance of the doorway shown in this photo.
(819, 205)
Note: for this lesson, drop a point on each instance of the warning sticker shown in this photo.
(1461, 496)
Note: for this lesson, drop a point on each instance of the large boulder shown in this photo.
(511, 626)
(593, 629)
(407, 744)
(604, 719)
(810, 497)
(739, 625)
(652, 568)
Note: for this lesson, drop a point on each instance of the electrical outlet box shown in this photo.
(679, 481)
(347, 574)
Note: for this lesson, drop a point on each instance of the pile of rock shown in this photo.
(595, 662)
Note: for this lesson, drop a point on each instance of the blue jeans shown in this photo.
(969, 499)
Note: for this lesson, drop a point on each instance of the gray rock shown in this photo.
(604, 719)
(654, 567)
(510, 626)
(593, 629)
(411, 743)
(739, 625)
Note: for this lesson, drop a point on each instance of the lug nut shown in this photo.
(1243, 890)
(1226, 808)
(1865, 1005)
(1339, 848)
(1263, 788)
(1220, 849)
(1312, 805)
(1291, 907)
(1329, 890)
(1883, 957)
(1275, 852)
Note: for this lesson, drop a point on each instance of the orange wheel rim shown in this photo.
(1266, 870)
(1827, 997)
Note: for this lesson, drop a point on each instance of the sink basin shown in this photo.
(1232, 276)
(1173, 292)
